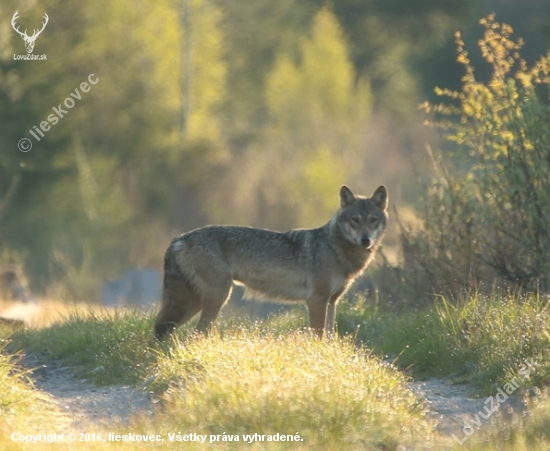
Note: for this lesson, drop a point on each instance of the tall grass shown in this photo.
(106, 347)
(485, 338)
(329, 392)
(257, 379)
(21, 407)
(522, 433)
(262, 378)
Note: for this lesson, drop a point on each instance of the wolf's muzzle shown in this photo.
(366, 241)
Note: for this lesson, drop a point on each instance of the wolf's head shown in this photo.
(362, 221)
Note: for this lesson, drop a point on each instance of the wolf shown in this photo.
(312, 265)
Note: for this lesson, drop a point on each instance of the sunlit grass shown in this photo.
(272, 376)
(329, 392)
(484, 338)
(522, 433)
(259, 378)
(106, 347)
(22, 407)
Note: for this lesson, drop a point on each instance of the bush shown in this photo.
(486, 216)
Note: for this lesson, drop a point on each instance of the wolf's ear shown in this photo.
(380, 197)
(346, 197)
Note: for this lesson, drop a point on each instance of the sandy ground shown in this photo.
(86, 407)
(457, 406)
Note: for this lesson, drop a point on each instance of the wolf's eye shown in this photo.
(373, 220)
(356, 220)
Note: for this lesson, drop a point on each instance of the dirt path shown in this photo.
(456, 406)
(85, 407)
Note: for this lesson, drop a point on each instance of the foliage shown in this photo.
(105, 168)
(317, 114)
(192, 122)
(487, 218)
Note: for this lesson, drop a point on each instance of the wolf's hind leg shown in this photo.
(179, 305)
(171, 317)
(213, 299)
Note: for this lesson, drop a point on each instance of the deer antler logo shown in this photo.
(29, 40)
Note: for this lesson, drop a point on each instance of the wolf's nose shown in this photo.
(365, 241)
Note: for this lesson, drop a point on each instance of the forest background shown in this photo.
(213, 111)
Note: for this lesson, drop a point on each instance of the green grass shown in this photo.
(258, 378)
(272, 376)
(251, 382)
(483, 338)
(117, 346)
(526, 433)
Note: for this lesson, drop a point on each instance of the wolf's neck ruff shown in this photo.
(354, 258)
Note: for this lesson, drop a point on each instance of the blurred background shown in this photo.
(219, 111)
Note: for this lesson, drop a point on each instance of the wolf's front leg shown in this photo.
(331, 318)
(317, 306)
(331, 313)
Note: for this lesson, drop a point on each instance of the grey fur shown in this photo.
(313, 265)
